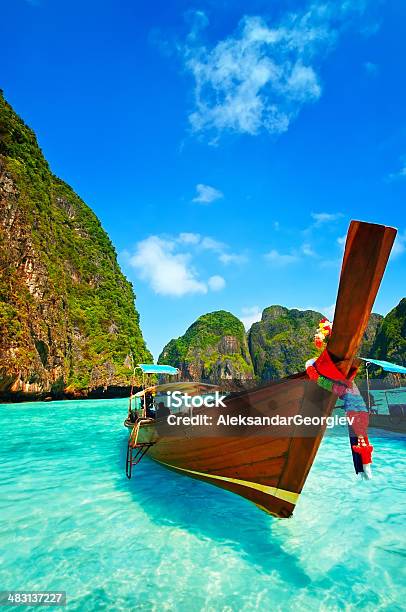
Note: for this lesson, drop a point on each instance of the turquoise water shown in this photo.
(383, 398)
(71, 521)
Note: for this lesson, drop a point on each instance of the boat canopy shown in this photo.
(386, 365)
(189, 387)
(151, 368)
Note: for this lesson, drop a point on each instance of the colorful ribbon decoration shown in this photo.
(325, 373)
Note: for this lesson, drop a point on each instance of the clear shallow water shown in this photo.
(383, 398)
(70, 520)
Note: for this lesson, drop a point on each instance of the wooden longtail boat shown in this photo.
(269, 465)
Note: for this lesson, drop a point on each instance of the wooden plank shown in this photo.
(367, 250)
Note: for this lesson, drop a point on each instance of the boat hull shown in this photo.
(397, 424)
(266, 465)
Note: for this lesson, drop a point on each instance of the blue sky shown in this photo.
(224, 145)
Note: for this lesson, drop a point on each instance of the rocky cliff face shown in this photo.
(282, 341)
(67, 315)
(390, 340)
(369, 335)
(213, 349)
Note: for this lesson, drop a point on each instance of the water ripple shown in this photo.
(70, 520)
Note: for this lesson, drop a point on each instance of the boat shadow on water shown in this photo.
(179, 502)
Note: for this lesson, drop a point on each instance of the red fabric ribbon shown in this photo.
(359, 423)
(325, 366)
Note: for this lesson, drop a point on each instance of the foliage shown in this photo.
(86, 315)
(282, 341)
(390, 339)
(204, 345)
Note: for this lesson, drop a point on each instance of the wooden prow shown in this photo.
(367, 250)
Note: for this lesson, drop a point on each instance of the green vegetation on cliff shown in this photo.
(213, 348)
(278, 345)
(390, 340)
(374, 323)
(67, 313)
(282, 341)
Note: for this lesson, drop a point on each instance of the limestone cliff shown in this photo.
(282, 341)
(390, 340)
(370, 334)
(67, 317)
(213, 349)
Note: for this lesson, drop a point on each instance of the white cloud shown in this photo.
(205, 194)
(165, 263)
(327, 311)
(189, 238)
(207, 243)
(232, 258)
(280, 259)
(324, 217)
(216, 283)
(221, 248)
(341, 240)
(250, 315)
(400, 174)
(283, 259)
(399, 246)
(307, 250)
(260, 77)
(168, 273)
(210, 244)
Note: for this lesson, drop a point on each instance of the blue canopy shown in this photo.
(386, 365)
(151, 368)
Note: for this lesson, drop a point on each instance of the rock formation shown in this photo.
(67, 317)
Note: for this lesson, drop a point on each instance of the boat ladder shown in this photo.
(135, 449)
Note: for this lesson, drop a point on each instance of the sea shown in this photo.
(71, 521)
